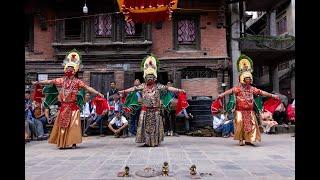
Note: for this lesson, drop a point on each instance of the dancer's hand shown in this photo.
(276, 97)
(35, 82)
(99, 94)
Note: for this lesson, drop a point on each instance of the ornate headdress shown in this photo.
(150, 65)
(245, 67)
(73, 59)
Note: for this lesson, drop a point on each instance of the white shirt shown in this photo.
(86, 110)
(218, 121)
(119, 122)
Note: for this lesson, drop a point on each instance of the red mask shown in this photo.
(69, 73)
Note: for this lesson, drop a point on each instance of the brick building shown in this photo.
(192, 47)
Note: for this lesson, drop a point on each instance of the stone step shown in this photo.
(280, 129)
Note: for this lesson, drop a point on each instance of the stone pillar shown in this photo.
(293, 7)
(272, 28)
(235, 33)
(274, 78)
(271, 23)
(87, 29)
(177, 78)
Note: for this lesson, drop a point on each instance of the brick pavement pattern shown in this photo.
(100, 158)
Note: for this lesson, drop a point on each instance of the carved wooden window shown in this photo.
(186, 32)
(103, 25)
(133, 29)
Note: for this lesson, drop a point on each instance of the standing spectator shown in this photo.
(171, 115)
(118, 125)
(113, 90)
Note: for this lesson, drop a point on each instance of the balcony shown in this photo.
(267, 50)
(102, 37)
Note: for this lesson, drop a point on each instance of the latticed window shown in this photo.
(190, 73)
(186, 31)
(132, 29)
(103, 25)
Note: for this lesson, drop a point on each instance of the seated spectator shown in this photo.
(27, 133)
(118, 125)
(88, 114)
(33, 127)
(280, 115)
(51, 113)
(101, 111)
(186, 116)
(39, 115)
(222, 124)
(267, 122)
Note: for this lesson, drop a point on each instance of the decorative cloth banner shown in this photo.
(271, 104)
(51, 93)
(182, 102)
(37, 94)
(147, 11)
(216, 106)
(101, 104)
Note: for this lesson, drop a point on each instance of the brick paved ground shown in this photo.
(102, 157)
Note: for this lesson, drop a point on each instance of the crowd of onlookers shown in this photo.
(118, 121)
(123, 123)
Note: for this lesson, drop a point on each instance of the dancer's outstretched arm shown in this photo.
(93, 91)
(134, 88)
(43, 82)
(227, 92)
(175, 89)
